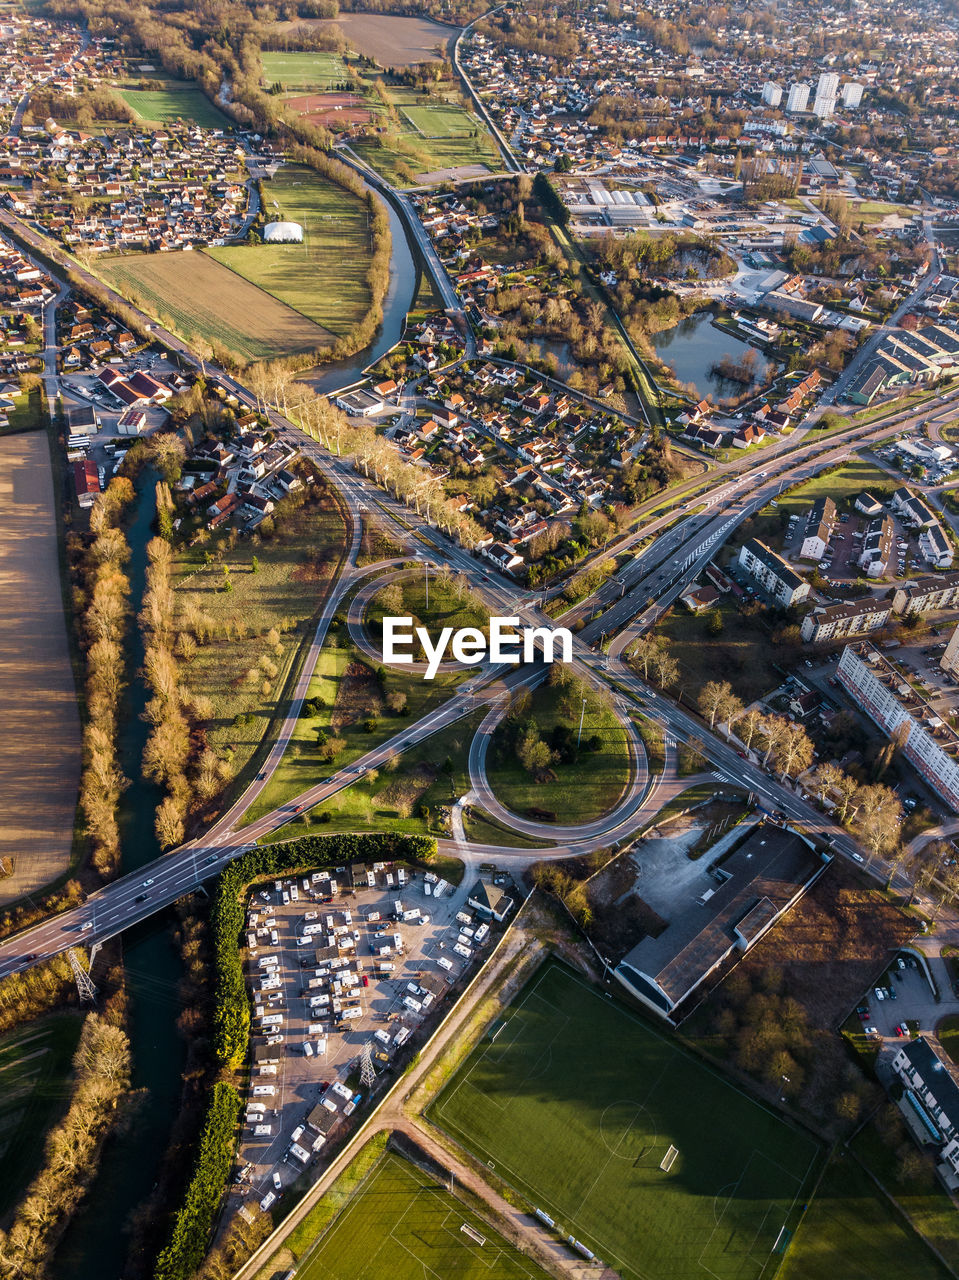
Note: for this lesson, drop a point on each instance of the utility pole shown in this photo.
(582, 716)
(367, 1073)
(85, 988)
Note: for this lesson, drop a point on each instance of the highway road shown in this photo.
(658, 575)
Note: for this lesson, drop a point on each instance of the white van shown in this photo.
(307, 1049)
(299, 1153)
(462, 951)
(412, 1004)
(277, 1181)
(381, 1035)
(267, 1200)
(262, 1131)
(444, 963)
(297, 1133)
(264, 1090)
(294, 893)
(316, 1028)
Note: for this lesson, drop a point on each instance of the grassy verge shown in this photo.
(258, 625)
(741, 653)
(948, 1034)
(480, 828)
(413, 798)
(28, 414)
(348, 695)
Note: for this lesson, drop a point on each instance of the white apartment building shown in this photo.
(798, 98)
(851, 95)
(852, 618)
(880, 691)
(772, 93)
(826, 90)
(772, 572)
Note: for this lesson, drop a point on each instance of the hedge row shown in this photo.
(231, 1018)
(191, 1228)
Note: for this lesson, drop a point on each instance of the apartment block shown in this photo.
(926, 594)
(772, 572)
(879, 690)
(852, 618)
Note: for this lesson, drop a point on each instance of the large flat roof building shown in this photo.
(752, 887)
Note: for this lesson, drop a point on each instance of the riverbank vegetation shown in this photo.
(101, 1079)
(101, 600)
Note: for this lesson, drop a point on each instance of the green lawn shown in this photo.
(921, 1196)
(405, 1225)
(325, 277)
(948, 1034)
(433, 774)
(239, 668)
(448, 606)
(850, 1232)
(577, 1104)
(742, 653)
(576, 792)
(35, 1067)
(174, 102)
(843, 486)
(317, 70)
(27, 414)
(349, 693)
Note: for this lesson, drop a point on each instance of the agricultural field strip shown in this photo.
(556, 1211)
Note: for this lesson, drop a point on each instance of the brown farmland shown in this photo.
(331, 109)
(392, 40)
(40, 739)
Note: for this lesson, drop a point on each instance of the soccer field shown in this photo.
(629, 1142)
(298, 71)
(403, 1225)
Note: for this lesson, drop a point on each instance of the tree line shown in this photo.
(101, 1079)
(101, 598)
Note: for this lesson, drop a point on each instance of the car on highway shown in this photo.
(141, 897)
(212, 858)
(147, 883)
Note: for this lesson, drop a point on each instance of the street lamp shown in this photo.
(582, 716)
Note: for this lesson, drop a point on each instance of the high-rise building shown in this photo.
(798, 97)
(826, 90)
(851, 94)
(772, 93)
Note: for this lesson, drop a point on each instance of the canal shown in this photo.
(96, 1245)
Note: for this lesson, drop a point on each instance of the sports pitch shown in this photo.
(404, 1225)
(635, 1147)
(299, 71)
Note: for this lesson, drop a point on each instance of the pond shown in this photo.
(695, 346)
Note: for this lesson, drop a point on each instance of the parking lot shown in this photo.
(338, 961)
(907, 1006)
(841, 560)
(82, 390)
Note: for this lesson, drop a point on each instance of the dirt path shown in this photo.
(40, 739)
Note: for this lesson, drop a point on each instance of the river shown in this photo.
(95, 1246)
(404, 277)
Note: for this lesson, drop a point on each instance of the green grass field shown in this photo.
(174, 102)
(200, 298)
(404, 1225)
(347, 701)
(317, 71)
(577, 792)
(948, 1033)
(325, 277)
(578, 1104)
(284, 593)
(35, 1065)
(843, 486)
(850, 1232)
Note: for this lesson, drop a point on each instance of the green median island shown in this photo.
(631, 1144)
(405, 1225)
